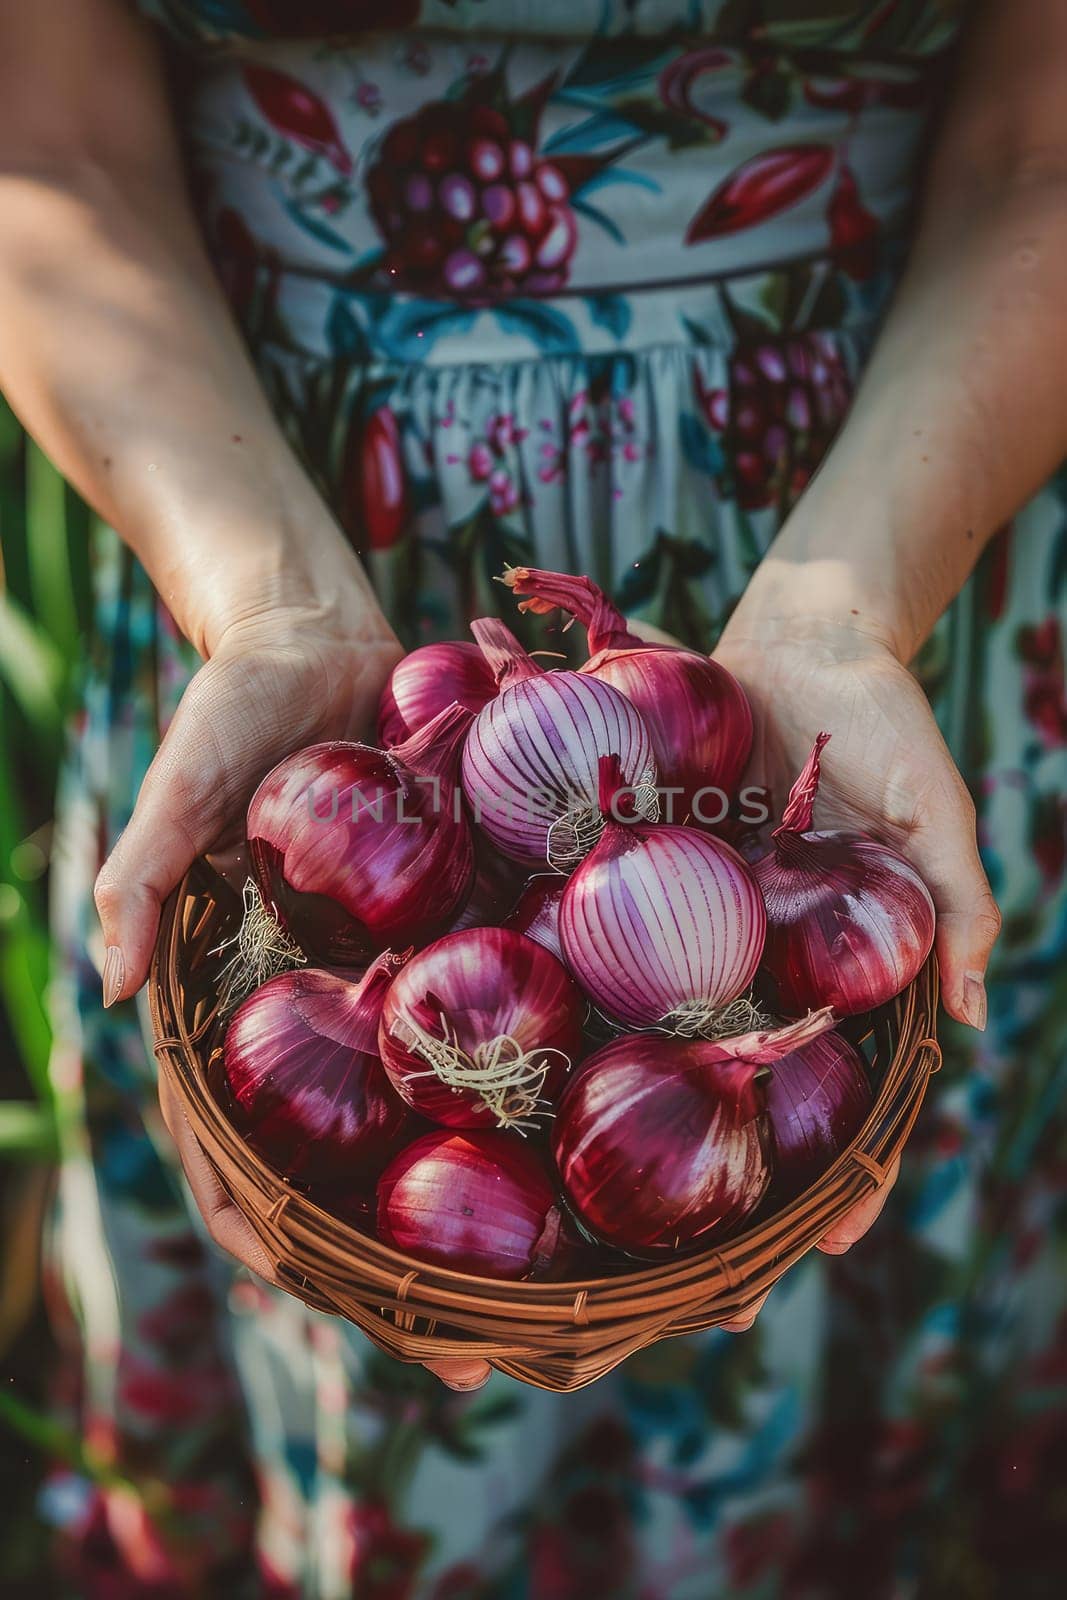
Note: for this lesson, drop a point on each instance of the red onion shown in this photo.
(480, 1029)
(696, 712)
(663, 1142)
(355, 848)
(429, 680)
(530, 762)
(537, 913)
(818, 1098)
(849, 921)
(301, 1060)
(479, 1203)
(497, 885)
(661, 925)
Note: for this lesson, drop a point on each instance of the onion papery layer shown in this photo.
(354, 848)
(300, 1057)
(661, 924)
(849, 920)
(482, 1030)
(429, 680)
(818, 1097)
(479, 1203)
(697, 714)
(531, 759)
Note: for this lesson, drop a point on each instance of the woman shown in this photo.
(589, 284)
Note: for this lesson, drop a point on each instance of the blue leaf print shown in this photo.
(347, 338)
(609, 225)
(408, 329)
(699, 448)
(937, 1191)
(610, 311)
(549, 329)
(639, 180)
(602, 128)
(318, 230)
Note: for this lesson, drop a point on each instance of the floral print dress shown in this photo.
(585, 283)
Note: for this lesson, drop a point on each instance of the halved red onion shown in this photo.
(480, 1029)
(530, 761)
(663, 1143)
(696, 712)
(849, 920)
(354, 848)
(818, 1097)
(661, 925)
(537, 912)
(480, 1203)
(427, 682)
(300, 1057)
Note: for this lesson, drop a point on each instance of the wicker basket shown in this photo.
(555, 1335)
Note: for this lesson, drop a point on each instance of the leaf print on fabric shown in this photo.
(374, 506)
(298, 113)
(408, 329)
(679, 85)
(854, 231)
(768, 184)
(1045, 693)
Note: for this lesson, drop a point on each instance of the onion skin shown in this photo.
(663, 1143)
(301, 1061)
(849, 920)
(696, 712)
(429, 680)
(495, 891)
(537, 912)
(817, 1098)
(486, 983)
(532, 753)
(480, 1203)
(345, 888)
(659, 917)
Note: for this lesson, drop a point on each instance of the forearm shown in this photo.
(959, 418)
(120, 355)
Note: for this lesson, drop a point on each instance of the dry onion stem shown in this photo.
(261, 950)
(573, 835)
(696, 1019)
(508, 1078)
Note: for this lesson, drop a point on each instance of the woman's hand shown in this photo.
(886, 771)
(274, 683)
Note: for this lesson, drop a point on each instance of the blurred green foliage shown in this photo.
(44, 604)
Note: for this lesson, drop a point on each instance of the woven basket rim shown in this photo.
(333, 1265)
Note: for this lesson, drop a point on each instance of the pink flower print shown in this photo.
(503, 495)
(369, 98)
(480, 462)
(417, 59)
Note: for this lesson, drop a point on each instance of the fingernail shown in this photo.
(834, 1247)
(114, 975)
(975, 1004)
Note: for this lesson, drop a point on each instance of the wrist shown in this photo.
(296, 566)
